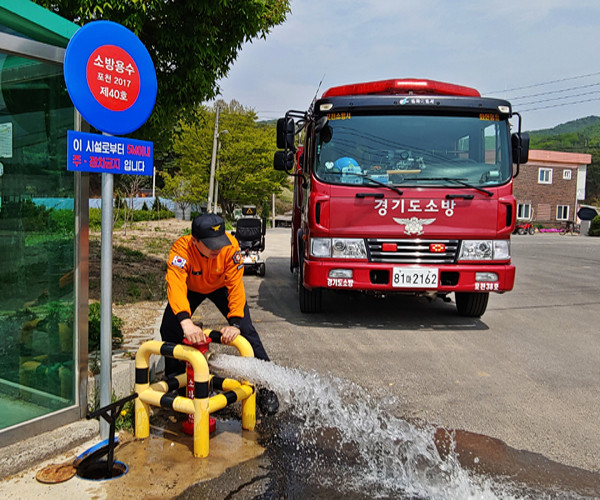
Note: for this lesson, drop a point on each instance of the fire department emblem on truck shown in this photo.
(413, 225)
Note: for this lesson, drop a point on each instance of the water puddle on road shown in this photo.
(331, 439)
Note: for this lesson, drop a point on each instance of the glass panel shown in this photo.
(523, 211)
(545, 176)
(562, 212)
(414, 150)
(36, 242)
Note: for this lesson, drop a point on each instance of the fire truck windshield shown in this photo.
(414, 150)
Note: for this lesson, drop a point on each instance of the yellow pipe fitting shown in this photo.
(200, 407)
(219, 401)
(162, 385)
(240, 343)
(146, 349)
(243, 346)
(201, 427)
(249, 411)
(142, 417)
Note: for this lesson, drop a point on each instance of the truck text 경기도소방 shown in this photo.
(403, 186)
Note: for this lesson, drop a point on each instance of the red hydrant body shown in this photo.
(188, 424)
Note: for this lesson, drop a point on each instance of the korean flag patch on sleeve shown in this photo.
(237, 257)
(179, 261)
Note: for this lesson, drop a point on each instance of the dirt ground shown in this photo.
(139, 265)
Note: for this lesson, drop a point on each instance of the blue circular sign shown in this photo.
(110, 77)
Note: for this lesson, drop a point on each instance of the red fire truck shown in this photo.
(403, 186)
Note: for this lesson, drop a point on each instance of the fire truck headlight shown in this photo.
(346, 248)
(501, 249)
(484, 250)
(338, 248)
(320, 247)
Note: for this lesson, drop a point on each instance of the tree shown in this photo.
(129, 187)
(184, 190)
(245, 173)
(192, 44)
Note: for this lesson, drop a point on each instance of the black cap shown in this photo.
(210, 230)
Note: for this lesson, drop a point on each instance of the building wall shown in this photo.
(563, 190)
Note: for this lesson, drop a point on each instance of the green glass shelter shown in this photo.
(43, 230)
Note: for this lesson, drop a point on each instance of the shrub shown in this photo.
(95, 218)
(144, 215)
(94, 328)
(35, 218)
(157, 206)
(138, 216)
(595, 226)
(62, 221)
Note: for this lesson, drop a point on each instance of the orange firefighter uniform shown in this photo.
(189, 270)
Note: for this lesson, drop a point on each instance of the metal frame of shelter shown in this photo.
(30, 31)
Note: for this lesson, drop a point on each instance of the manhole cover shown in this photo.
(56, 473)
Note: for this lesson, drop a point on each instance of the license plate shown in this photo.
(414, 277)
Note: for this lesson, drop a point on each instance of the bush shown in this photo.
(138, 216)
(35, 218)
(95, 218)
(144, 215)
(157, 206)
(595, 226)
(62, 221)
(94, 328)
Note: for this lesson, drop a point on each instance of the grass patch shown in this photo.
(129, 254)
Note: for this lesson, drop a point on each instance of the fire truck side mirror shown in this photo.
(285, 134)
(320, 124)
(283, 161)
(520, 147)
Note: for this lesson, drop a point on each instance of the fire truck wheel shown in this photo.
(471, 304)
(309, 300)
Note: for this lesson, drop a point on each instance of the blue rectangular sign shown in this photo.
(107, 154)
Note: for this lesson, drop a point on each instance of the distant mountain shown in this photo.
(588, 126)
(267, 122)
(578, 136)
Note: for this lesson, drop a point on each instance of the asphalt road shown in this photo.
(527, 372)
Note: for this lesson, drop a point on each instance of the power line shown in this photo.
(511, 99)
(559, 105)
(568, 97)
(545, 83)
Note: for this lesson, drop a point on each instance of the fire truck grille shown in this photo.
(399, 251)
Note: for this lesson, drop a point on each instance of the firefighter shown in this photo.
(208, 264)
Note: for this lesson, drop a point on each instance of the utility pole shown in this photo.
(213, 162)
(216, 200)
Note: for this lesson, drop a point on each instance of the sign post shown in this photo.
(111, 80)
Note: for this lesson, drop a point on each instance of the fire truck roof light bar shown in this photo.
(405, 86)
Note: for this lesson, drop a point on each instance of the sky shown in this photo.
(541, 55)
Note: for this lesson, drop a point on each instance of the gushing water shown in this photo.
(349, 442)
